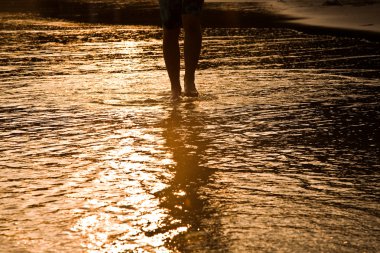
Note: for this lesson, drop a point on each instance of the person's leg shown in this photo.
(172, 59)
(191, 21)
(193, 43)
(170, 11)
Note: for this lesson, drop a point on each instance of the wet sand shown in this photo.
(279, 154)
(348, 20)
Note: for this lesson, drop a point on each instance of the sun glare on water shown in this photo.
(121, 212)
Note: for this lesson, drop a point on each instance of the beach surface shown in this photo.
(280, 153)
(348, 15)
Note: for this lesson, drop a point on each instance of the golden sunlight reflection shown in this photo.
(121, 212)
(279, 151)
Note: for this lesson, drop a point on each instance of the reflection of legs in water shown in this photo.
(186, 204)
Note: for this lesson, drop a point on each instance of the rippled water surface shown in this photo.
(279, 154)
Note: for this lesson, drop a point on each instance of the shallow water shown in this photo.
(279, 154)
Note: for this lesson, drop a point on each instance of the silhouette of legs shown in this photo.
(192, 49)
(193, 43)
(172, 59)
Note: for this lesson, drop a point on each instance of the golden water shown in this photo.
(279, 154)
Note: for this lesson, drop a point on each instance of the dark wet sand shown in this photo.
(227, 15)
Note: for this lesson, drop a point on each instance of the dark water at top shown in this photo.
(279, 154)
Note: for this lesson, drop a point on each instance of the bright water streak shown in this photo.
(280, 152)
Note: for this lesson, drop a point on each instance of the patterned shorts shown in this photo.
(172, 10)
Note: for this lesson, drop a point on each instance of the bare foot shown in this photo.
(190, 90)
(176, 96)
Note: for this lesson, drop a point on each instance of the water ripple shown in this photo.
(279, 153)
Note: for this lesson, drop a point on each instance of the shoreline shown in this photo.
(342, 19)
(215, 15)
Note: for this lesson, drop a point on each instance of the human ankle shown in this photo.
(175, 86)
(189, 84)
(176, 90)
